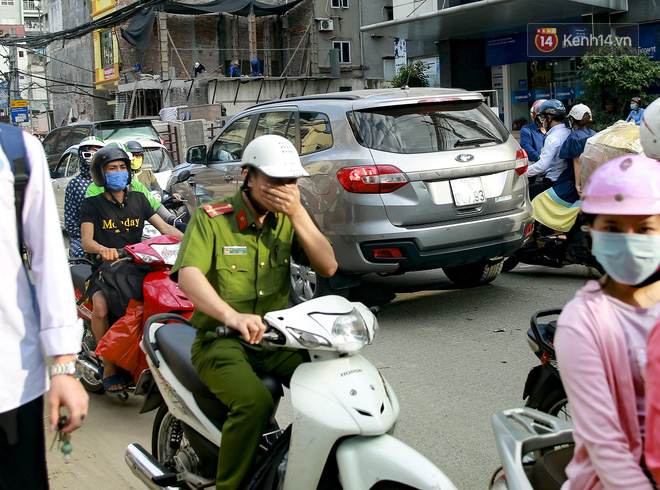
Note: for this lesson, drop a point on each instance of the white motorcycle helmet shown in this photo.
(649, 130)
(578, 111)
(274, 156)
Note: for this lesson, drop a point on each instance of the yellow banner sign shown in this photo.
(19, 103)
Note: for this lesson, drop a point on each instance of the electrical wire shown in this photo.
(64, 82)
(40, 53)
(111, 20)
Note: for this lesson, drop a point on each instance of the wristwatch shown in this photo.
(70, 368)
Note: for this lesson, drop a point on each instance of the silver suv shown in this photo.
(401, 180)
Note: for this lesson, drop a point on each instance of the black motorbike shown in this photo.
(544, 390)
(551, 250)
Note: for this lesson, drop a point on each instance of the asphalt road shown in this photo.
(442, 350)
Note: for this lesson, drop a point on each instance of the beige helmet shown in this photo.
(578, 111)
(274, 156)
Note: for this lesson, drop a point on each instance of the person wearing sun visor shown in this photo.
(75, 193)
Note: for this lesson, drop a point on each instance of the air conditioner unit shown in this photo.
(325, 25)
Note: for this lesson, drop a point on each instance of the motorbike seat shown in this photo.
(79, 274)
(174, 342)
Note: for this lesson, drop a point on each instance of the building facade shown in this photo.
(485, 44)
(22, 79)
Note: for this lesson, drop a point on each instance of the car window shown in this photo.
(73, 164)
(429, 127)
(63, 140)
(279, 123)
(50, 141)
(60, 168)
(128, 132)
(157, 160)
(315, 132)
(229, 145)
(80, 133)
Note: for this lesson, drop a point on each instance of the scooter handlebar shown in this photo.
(123, 255)
(225, 332)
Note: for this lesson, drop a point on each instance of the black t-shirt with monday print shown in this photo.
(115, 226)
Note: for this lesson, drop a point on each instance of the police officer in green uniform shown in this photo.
(234, 266)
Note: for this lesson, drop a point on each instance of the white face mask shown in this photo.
(628, 258)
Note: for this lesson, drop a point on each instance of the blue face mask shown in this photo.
(633, 107)
(116, 181)
(628, 258)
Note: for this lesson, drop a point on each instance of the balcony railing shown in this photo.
(33, 25)
(30, 5)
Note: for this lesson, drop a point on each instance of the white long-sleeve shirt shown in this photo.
(40, 322)
(549, 162)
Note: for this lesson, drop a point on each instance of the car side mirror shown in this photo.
(196, 154)
(183, 176)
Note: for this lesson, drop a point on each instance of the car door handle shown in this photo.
(228, 178)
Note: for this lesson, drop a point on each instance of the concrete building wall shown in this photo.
(375, 49)
(70, 67)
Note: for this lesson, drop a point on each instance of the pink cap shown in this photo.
(626, 185)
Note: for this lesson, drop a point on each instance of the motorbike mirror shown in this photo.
(183, 176)
(196, 154)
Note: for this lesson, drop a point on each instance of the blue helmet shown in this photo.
(553, 107)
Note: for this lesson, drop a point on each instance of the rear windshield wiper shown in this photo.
(473, 141)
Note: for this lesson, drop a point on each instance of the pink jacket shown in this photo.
(593, 361)
(652, 399)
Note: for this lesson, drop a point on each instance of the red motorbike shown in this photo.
(120, 344)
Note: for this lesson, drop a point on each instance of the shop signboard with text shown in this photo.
(571, 40)
(561, 93)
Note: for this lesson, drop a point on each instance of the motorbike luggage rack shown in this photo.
(519, 431)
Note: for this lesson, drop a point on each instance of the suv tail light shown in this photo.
(522, 162)
(372, 179)
(162, 141)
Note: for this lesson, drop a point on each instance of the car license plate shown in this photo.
(467, 192)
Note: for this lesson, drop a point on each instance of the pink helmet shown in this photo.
(626, 185)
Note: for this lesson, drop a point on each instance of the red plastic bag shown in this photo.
(121, 343)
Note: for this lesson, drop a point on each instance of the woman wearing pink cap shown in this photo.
(602, 333)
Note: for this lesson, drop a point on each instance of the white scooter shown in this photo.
(344, 412)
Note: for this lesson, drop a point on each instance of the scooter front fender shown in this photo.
(364, 461)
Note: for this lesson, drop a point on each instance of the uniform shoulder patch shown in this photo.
(218, 209)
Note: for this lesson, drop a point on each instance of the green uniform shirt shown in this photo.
(136, 186)
(248, 266)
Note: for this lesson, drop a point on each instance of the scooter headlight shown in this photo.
(167, 252)
(349, 332)
(308, 339)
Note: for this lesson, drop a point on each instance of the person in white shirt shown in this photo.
(36, 320)
(552, 114)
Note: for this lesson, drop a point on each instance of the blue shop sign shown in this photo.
(522, 96)
(561, 93)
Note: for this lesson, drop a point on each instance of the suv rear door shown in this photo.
(457, 156)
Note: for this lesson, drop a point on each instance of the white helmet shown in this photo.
(578, 111)
(649, 130)
(274, 156)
